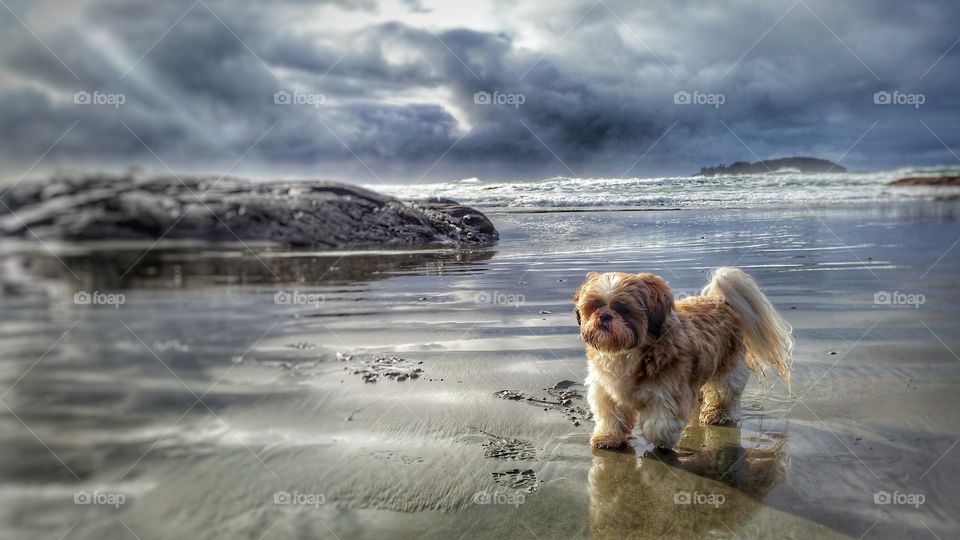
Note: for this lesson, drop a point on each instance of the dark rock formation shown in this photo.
(323, 215)
(927, 181)
(803, 164)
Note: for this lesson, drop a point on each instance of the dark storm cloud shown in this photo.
(397, 96)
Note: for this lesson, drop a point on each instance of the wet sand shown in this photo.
(389, 396)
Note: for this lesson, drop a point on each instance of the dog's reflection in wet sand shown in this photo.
(711, 487)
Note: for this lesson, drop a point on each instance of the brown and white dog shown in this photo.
(651, 360)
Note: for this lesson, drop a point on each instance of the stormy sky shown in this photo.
(426, 90)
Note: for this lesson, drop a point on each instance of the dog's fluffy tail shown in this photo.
(767, 337)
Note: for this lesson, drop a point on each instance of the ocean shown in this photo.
(685, 192)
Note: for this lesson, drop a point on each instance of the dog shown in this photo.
(652, 360)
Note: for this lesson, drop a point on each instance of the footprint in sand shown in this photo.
(387, 455)
(525, 481)
(505, 448)
(511, 449)
(381, 366)
(514, 449)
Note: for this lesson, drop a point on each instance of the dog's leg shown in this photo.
(663, 427)
(612, 422)
(667, 415)
(721, 395)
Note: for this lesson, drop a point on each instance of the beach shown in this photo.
(438, 393)
(298, 269)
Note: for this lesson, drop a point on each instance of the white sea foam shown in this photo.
(782, 189)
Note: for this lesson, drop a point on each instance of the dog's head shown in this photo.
(618, 311)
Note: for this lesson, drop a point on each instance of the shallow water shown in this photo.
(226, 395)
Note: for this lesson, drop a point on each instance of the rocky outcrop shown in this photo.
(927, 181)
(315, 214)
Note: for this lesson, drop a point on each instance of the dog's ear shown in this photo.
(591, 276)
(658, 300)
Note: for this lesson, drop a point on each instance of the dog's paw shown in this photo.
(607, 440)
(716, 417)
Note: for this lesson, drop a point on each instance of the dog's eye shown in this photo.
(620, 308)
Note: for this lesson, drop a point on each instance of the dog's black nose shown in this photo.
(605, 318)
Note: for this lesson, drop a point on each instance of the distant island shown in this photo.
(792, 164)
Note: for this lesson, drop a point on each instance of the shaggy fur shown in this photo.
(650, 359)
